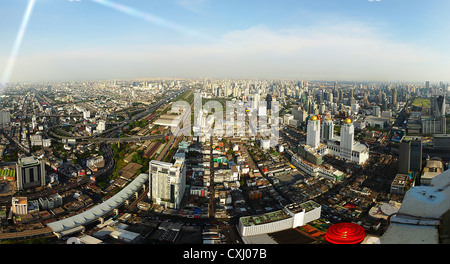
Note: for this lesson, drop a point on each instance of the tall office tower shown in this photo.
(313, 132)
(416, 154)
(384, 105)
(226, 90)
(255, 103)
(269, 101)
(410, 154)
(318, 96)
(377, 111)
(5, 117)
(167, 182)
(394, 96)
(299, 113)
(380, 97)
(347, 138)
(86, 114)
(354, 108)
(218, 91)
(330, 97)
(235, 91)
(101, 126)
(336, 96)
(30, 172)
(437, 105)
(247, 91)
(312, 108)
(327, 129)
(427, 85)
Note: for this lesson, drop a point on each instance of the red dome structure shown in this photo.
(345, 233)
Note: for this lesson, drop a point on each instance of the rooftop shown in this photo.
(19, 200)
(280, 214)
(29, 161)
(423, 216)
(411, 138)
(307, 206)
(160, 163)
(265, 218)
(101, 209)
(400, 179)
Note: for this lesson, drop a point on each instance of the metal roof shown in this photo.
(102, 209)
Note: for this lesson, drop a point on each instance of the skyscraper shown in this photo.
(327, 129)
(5, 117)
(269, 101)
(394, 96)
(256, 99)
(30, 173)
(313, 132)
(437, 105)
(347, 138)
(167, 182)
(410, 154)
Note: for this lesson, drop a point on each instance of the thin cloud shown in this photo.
(345, 51)
(192, 5)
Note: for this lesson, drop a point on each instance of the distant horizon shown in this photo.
(233, 79)
(351, 40)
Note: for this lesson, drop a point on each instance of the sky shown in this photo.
(357, 40)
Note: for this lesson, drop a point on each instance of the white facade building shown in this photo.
(265, 144)
(343, 146)
(313, 132)
(291, 216)
(101, 126)
(86, 114)
(19, 205)
(167, 182)
(347, 139)
(94, 160)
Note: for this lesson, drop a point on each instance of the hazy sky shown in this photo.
(387, 40)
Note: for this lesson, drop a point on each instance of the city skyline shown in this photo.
(114, 162)
(321, 40)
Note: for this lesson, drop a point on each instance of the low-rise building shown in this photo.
(291, 216)
(432, 168)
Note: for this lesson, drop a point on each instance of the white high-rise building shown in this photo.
(101, 126)
(33, 122)
(313, 132)
(355, 108)
(255, 103)
(343, 146)
(167, 182)
(347, 138)
(86, 114)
